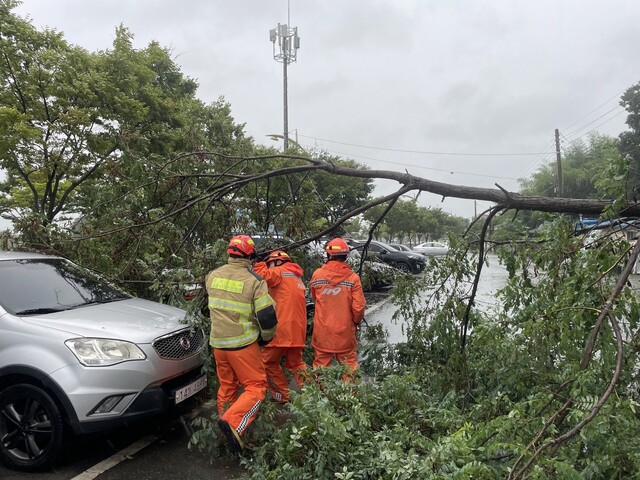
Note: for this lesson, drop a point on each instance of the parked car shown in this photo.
(79, 356)
(431, 248)
(404, 261)
(375, 275)
(401, 247)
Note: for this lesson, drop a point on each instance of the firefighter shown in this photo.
(284, 278)
(242, 317)
(339, 308)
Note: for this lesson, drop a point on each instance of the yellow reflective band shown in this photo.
(230, 305)
(237, 240)
(263, 302)
(227, 285)
(231, 342)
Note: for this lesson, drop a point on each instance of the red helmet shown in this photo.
(278, 255)
(241, 245)
(336, 247)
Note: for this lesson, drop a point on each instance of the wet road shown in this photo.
(493, 277)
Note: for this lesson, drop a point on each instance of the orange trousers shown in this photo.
(278, 385)
(236, 369)
(325, 359)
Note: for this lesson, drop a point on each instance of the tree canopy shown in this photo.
(630, 139)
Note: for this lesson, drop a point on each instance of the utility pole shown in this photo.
(559, 192)
(288, 44)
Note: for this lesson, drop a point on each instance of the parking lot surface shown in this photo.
(155, 450)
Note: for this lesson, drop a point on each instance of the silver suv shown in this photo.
(77, 355)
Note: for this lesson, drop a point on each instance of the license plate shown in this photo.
(191, 389)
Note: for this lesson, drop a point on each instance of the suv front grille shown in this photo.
(179, 345)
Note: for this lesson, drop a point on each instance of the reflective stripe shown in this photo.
(242, 308)
(245, 420)
(244, 311)
(277, 396)
(231, 342)
(227, 285)
(263, 302)
(289, 274)
(344, 283)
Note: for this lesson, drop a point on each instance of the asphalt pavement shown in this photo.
(153, 450)
(168, 458)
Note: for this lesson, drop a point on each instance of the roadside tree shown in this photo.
(630, 139)
(56, 129)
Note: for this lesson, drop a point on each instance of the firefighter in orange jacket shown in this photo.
(242, 316)
(284, 278)
(339, 308)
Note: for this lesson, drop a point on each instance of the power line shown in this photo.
(598, 107)
(574, 132)
(599, 125)
(537, 161)
(533, 165)
(424, 152)
(408, 165)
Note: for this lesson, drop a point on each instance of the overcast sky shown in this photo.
(391, 83)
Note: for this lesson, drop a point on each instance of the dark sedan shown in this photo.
(401, 247)
(405, 261)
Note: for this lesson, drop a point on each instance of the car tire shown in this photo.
(403, 267)
(31, 428)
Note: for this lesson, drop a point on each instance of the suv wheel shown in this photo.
(31, 428)
(403, 267)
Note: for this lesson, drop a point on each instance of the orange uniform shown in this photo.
(339, 308)
(289, 293)
(242, 313)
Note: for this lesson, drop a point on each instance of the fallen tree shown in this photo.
(525, 387)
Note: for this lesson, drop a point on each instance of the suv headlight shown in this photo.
(101, 352)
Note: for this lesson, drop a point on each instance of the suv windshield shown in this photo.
(377, 247)
(36, 286)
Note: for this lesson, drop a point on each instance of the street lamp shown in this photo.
(276, 136)
(288, 43)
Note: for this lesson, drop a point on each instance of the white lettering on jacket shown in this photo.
(331, 291)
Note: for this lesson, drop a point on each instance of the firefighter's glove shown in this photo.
(262, 343)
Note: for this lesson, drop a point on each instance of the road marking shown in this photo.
(134, 448)
(115, 459)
